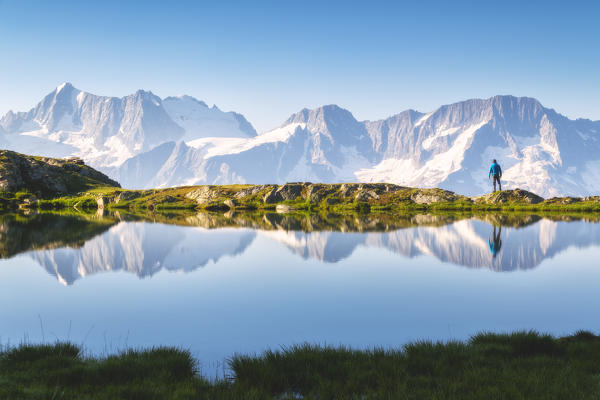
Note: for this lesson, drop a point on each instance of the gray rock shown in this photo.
(506, 196)
(347, 189)
(290, 191)
(203, 195)
(364, 195)
(425, 198)
(272, 197)
(102, 202)
(284, 208)
(229, 203)
(124, 196)
(251, 191)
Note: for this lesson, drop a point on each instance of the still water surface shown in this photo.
(227, 284)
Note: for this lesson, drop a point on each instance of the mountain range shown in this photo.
(144, 141)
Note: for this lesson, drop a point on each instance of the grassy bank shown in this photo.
(337, 198)
(31, 182)
(520, 365)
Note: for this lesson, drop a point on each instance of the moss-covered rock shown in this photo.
(516, 196)
(48, 177)
(430, 196)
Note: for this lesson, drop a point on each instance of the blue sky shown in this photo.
(267, 60)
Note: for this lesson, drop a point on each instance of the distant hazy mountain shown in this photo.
(143, 141)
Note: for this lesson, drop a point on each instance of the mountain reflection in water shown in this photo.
(72, 247)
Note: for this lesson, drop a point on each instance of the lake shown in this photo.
(220, 284)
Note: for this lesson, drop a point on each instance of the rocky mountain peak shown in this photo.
(333, 122)
(320, 115)
(64, 86)
(523, 109)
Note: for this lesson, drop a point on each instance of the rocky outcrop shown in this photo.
(517, 196)
(272, 197)
(430, 196)
(569, 200)
(249, 191)
(203, 194)
(102, 201)
(291, 191)
(380, 194)
(243, 196)
(48, 177)
(364, 196)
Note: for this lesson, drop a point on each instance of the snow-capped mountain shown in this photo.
(324, 145)
(539, 149)
(143, 141)
(106, 131)
(451, 147)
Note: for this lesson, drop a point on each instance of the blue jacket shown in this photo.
(494, 246)
(495, 170)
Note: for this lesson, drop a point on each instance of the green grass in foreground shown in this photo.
(522, 365)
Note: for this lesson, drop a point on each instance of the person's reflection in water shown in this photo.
(495, 242)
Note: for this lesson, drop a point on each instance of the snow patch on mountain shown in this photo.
(442, 162)
(422, 120)
(215, 146)
(198, 120)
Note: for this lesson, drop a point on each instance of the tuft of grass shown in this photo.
(489, 365)
(517, 365)
(521, 344)
(60, 371)
(28, 354)
(83, 203)
(160, 364)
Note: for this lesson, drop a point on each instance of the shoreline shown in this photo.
(301, 196)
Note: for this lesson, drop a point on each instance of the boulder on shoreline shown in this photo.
(509, 196)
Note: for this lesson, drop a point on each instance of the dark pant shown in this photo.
(496, 178)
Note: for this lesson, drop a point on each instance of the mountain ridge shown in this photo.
(449, 147)
(106, 131)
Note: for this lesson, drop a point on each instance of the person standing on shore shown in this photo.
(496, 174)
